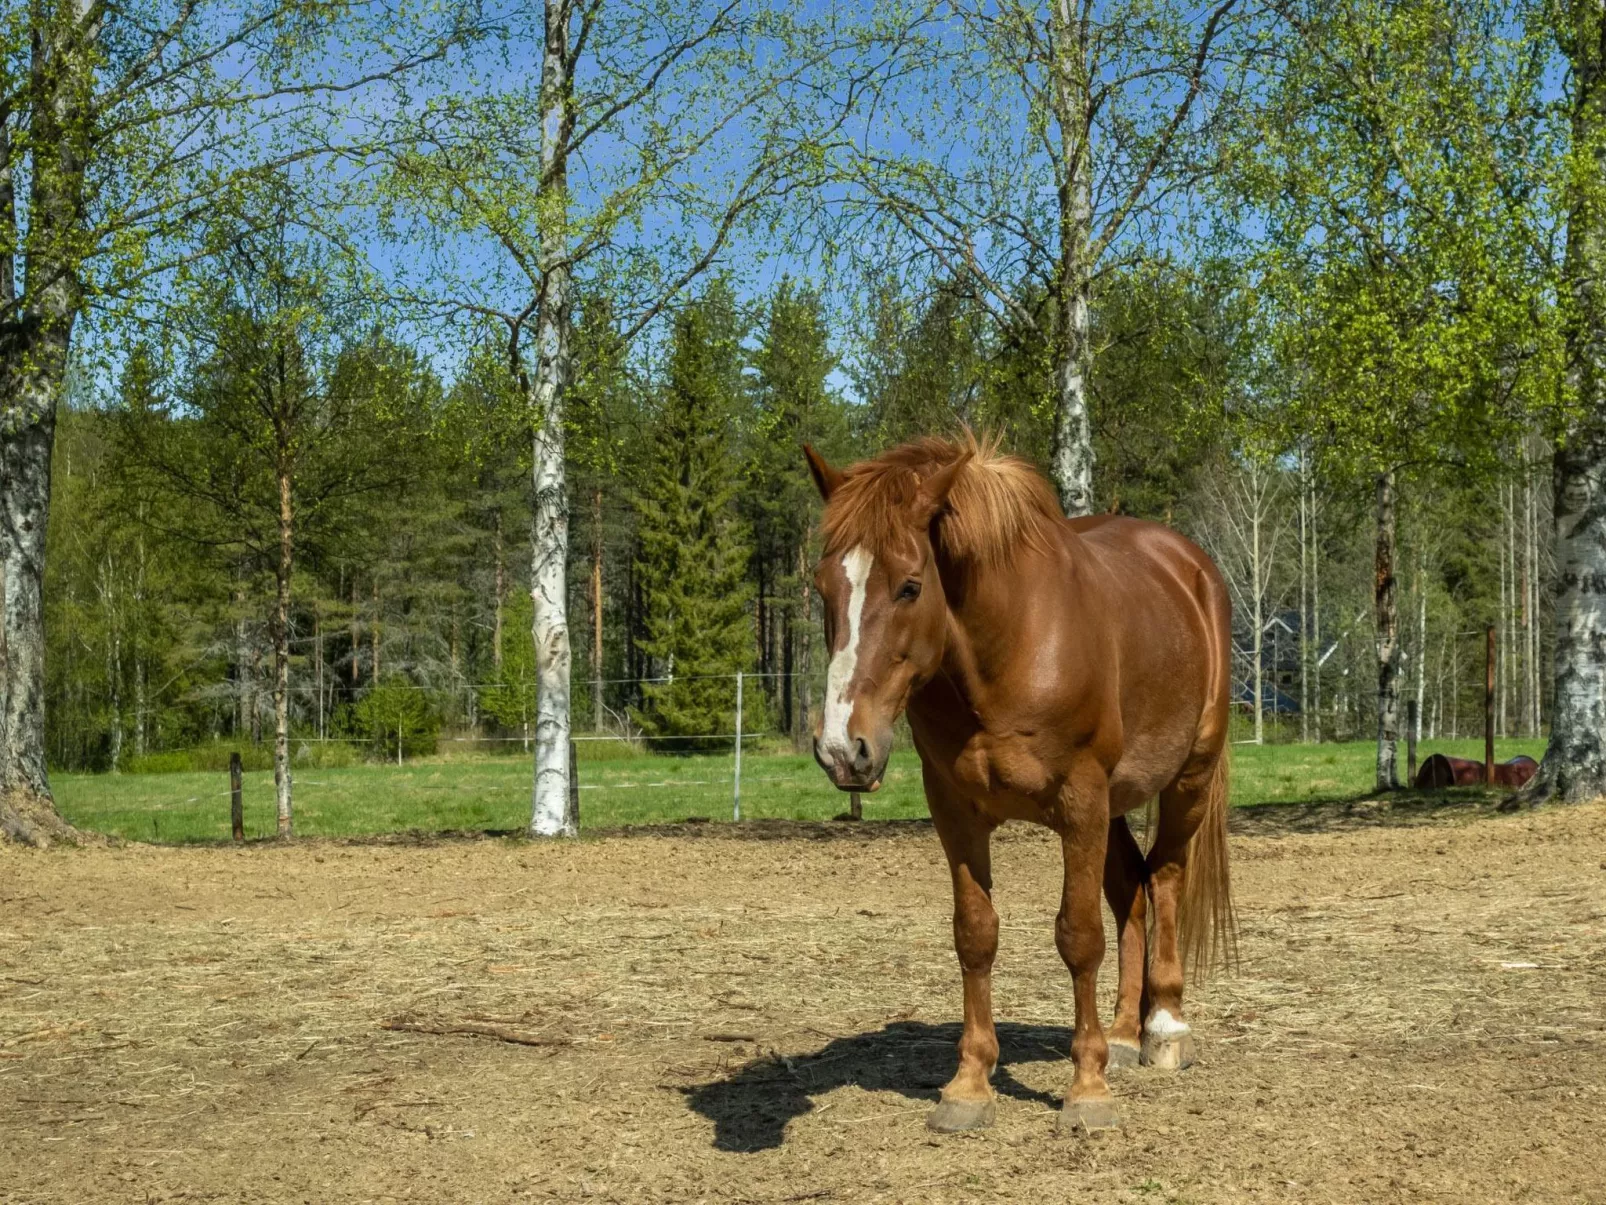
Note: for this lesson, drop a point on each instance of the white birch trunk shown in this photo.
(1072, 462)
(1304, 605)
(114, 661)
(1530, 605)
(1386, 611)
(1574, 767)
(1421, 643)
(1500, 673)
(33, 373)
(1316, 613)
(1258, 591)
(281, 660)
(549, 589)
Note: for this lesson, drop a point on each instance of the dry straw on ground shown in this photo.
(703, 1017)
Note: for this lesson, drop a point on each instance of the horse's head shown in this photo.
(885, 613)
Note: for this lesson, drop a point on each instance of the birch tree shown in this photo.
(1574, 765)
(121, 128)
(1398, 275)
(655, 137)
(1247, 528)
(1074, 133)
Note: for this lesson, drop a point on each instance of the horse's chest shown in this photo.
(992, 764)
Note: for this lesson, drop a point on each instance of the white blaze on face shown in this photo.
(839, 676)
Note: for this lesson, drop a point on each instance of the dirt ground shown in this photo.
(1418, 1016)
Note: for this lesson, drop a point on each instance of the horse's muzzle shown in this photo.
(857, 766)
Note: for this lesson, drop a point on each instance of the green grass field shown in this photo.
(493, 792)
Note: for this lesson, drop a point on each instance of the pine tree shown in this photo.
(792, 404)
(693, 553)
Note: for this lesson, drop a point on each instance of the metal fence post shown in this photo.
(574, 787)
(736, 790)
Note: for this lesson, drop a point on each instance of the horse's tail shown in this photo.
(1209, 931)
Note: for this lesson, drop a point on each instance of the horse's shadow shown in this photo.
(751, 1107)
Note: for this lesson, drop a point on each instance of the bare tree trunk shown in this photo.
(356, 637)
(788, 670)
(1530, 602)
(1304, 604)
(1438, 691)
(242, 660)
(454, 651)
(135, 628)
(1315, 616)
(501, 593)
(1073, 440)
(256, 677)
(281, 655)
(596, 609)
(140, 719)
(1421, 640)
(1258, 593)
(373, 638)
(1386, 612)
(550, 813)
(1455, 690)
(114, 660)
(802, 720)
(317, 649)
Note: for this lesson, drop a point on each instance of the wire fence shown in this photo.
(646, 781)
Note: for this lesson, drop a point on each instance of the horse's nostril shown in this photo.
(861, 753)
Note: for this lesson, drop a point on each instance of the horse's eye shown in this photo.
(909, 591)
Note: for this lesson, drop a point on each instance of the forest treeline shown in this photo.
(442, 370)
(691, 551)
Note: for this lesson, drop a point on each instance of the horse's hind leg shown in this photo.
(1124, 875)
(1167, 1039)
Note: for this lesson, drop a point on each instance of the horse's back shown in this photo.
(1142, 556)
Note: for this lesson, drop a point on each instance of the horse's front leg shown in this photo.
(967, 1099)
(1079, 934)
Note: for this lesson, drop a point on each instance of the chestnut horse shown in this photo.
(1059, 671)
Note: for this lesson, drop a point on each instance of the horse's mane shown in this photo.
(997, 506)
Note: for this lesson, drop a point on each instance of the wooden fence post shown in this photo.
(1488, 714)
(855, 806)
(1411, 721)
(236, 804)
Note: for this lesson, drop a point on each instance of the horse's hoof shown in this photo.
(1123, 1055)
(1168, 1052)
(1087, 1116)
(955, 1116)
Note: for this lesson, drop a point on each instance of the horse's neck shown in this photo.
(987, 620)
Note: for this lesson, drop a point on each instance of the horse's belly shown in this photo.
(1147, 769)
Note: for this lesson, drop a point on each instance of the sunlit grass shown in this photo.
(493, 792)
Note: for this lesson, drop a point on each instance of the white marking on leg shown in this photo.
(1163, 1025)
(839, 675)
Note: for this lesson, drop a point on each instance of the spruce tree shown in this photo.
(693, 552)
(792, 404)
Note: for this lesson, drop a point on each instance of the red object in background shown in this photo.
(1442, 771)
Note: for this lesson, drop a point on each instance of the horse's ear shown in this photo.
(826, 479)
(933, 491)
